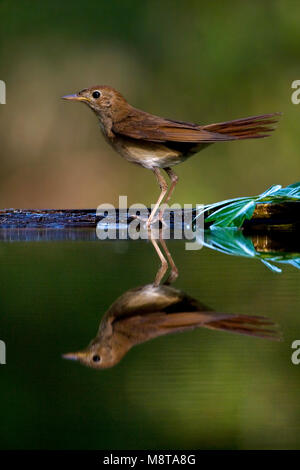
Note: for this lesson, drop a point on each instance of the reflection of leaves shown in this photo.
(233, 242)
(233, 212)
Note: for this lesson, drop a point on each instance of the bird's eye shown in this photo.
(96, 358)
(96, 94)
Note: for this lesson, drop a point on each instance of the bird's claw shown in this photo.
(149, 222)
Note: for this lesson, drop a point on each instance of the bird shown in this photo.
(157, 143)
(150, 311)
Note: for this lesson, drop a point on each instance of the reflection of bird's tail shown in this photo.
(244, 324)
(253, 127)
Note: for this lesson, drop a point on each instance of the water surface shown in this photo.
(197, 389)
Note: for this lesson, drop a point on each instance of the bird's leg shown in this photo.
(174, 180)
(174, 271)
(164, 265)
(164, 188)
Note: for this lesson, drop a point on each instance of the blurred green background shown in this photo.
(198, 61)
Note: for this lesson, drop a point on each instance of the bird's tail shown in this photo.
(253, 127)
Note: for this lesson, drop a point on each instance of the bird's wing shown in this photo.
(148, 299)
(144, 126)
(141, 125)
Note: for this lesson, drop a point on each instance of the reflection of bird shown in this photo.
(155, 142)
(150, 311)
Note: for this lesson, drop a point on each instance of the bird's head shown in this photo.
(98, 355)
(104, 100)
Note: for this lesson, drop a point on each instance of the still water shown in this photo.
(201, 388)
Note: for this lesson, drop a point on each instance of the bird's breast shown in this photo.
(147, 154)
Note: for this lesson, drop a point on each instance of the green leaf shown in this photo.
(232, 213)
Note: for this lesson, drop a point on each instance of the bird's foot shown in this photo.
(148, 222)
(145, 220)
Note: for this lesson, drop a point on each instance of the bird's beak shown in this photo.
(75, 356)
(74, 97)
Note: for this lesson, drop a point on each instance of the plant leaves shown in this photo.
(232, 213)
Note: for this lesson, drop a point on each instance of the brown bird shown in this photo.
(151, 311)
(157, 143)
